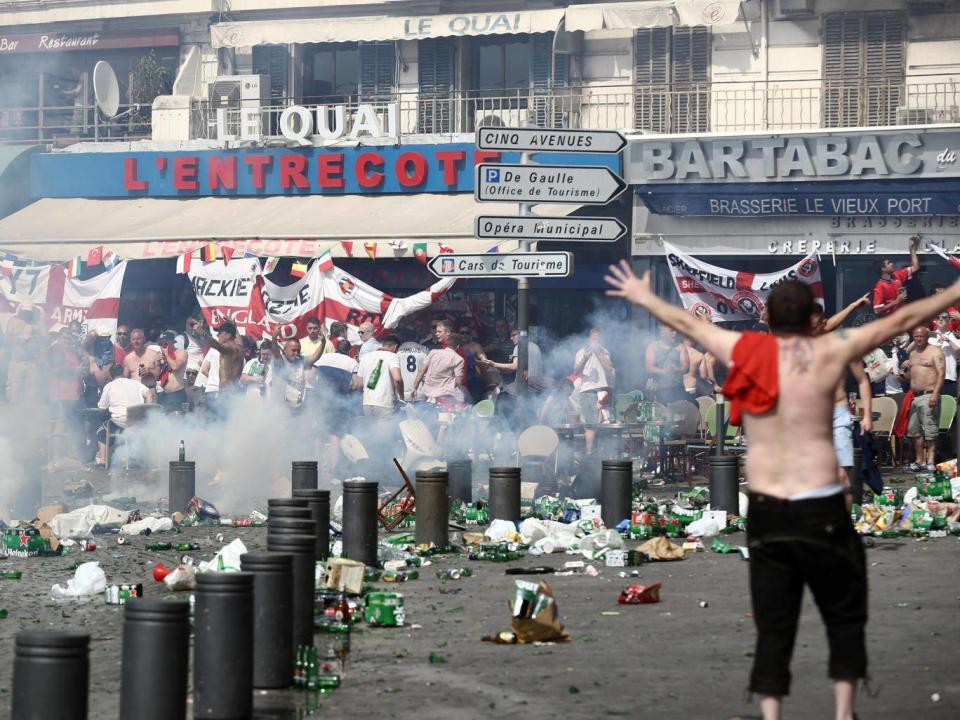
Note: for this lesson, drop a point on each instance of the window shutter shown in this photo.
(884, 66)
(690, 78)
(842, 68)
(546, 112)
(378, 69)
(435, 110)
(273, 60)
(651, 70)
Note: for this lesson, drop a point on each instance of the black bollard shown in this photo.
(433, 508)
(360, 521)
(460, 480)
(319, 502)
(51, 672)
(616, 491)
(505, 493)
(856, 478)
(725, 483)
(303, 474)
(275, 504)
(155, 659)
(291, 526)
(273, 650)
(223, 646)
(182, 485)
(302, 548)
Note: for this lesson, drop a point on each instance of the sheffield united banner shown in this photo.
(730, 295)
(93, 303)
(238, 292)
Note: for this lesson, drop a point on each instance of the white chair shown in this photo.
(536, 447)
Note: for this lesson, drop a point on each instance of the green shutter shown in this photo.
(378, 71)
(273, 60)
(436, 104)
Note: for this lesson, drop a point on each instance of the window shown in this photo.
(333, 72)
(273, 60)
(501, 65)
(863, 68)
(436, 106)
(672, 79)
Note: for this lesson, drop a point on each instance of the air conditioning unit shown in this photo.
(177, 118)
(233, 92)
(793, 9)
(913, 116)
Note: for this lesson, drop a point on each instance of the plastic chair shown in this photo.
(711, 421)
(884, 411)
(687, 416)
(484, 409)
(704, 402)
(536, 446)
(948, 409)
(624, 406)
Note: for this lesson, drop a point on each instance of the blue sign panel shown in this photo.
(852, 199)
(374, 169)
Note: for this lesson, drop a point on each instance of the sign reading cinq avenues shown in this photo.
(792, 157)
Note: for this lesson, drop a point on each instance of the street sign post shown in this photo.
(577, 229)
(579, 185)
(539, 140)
(505, 265)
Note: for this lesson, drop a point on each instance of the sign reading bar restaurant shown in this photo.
(51, 42)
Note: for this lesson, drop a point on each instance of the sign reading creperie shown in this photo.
(52, 42)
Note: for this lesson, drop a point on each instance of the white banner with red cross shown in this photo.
(94, 303)
(732, 295)
(238, 292)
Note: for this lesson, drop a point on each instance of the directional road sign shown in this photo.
(506, 265)
(539, 140)
(581, 229)
(582, 185)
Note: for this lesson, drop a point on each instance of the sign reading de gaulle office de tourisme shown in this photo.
(906, 172)
(584, 185)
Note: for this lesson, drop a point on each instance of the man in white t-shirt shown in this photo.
(378, 374)
(597, 376)
(118, 395)
(210, 371)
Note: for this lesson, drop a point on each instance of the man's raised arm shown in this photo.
(836, 320)
(637, 290)
(857, 342)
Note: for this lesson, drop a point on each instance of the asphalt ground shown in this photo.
(674, 659)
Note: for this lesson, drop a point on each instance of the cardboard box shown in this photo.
(345, 575)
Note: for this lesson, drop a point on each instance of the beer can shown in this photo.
(119, 594)
(384, 609)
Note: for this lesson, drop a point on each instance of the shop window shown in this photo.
(672, 79)
(863, 69)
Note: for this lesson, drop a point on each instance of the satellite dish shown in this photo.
(106, 89)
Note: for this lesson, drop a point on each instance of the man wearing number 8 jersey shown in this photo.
(411, 356)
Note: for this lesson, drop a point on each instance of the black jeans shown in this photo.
(797, 543)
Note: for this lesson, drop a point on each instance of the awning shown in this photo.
(382, 27)
(63, 228)
(15, 176)
(659, 13)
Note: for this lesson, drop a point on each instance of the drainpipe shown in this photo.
(765, 58)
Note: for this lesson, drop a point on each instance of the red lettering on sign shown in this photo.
(449, 159)
(482, 156)
(293, 171)
(185, 172)
(258, 165)
(365, 178)
(403, 166)
(330, 170)
(222, 172)
(130, 181)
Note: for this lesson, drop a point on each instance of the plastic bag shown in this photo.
(184, 577)
(502, 530)
(704, 527)
(80, 522)
(227, 560)
(596, 544)
(89, 579)
(153, 524)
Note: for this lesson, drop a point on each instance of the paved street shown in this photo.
(671, 660)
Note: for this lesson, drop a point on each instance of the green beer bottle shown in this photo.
(375, 376)
(182, 452)
(11, 575)
(158, 546)
(298, 668)
(312, 669)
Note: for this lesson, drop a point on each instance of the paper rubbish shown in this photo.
(153, 524)
(659, 548)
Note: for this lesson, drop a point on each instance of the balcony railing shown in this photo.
(718, 107)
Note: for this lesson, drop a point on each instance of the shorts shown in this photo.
(924, 419)
(376, 411)
(589, 407)
(843, 436)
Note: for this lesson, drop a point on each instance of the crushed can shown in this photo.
(119, 594)
(640, 594)
(384, 609)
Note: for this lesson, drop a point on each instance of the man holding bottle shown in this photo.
(378, 375)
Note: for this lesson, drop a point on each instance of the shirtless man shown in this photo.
(174, 383)
(230, 347)
(142, 363)
(666, 363)
(927, 370)
(798, 528)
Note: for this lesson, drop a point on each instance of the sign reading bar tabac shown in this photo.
(538, 140)
(539, 264)
(582, 229)
(584, 185)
